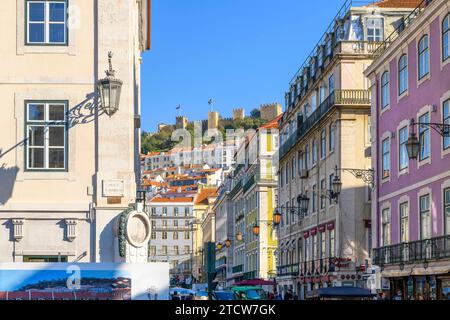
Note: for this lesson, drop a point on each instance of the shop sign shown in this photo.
(330, 225)
(313, 231)
(385, 284)
(322, 228)
(306, 234)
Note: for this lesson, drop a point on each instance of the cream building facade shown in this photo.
(327, 126)
(67, 170)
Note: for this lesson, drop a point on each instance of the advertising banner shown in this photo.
(84, 281)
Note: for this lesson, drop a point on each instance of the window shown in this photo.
(375, 30)
(447, 210)
(294, 167)
(186, 224)
(186, 211)
(186, 249)
(46, 125)
(322, 92)
(153, 224)
(331, 245)
(314, 152)
(322, 245)
(186, 235)
(331, 186)
(446, 120)
(331, 84)
(332, 134)
(300, 162)
(322, 189)
(175, 212)
(323, 144)
(307, 161)
(445, 38)
(175, 250)
(385, 90)
(153, 235)
(152, 250)
(313, 102)
(402, 74)
(164, 223)
(175, 235)
(424, 67)
(45, 258)
(46, 22)
(175, 223)
(386, 227)
(153, 211)
(287, 173)
(164, 250)
(164, 235)
(403, 153)
(424, 137)
(386, 158)
(404, 222)
(314, 198)
(425, 217)
(164, 211)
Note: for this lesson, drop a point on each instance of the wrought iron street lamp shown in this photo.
(413, 144)
(255, 229)
(110, 89)
(219, 246)
(300, 210)
(239, 236)
(228, 243)
(276, 217)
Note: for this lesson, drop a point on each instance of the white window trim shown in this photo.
(401, 125)
(47, 23)
(444, 185)
(404, 51)
(403, 199)
(388, 107)
(441, 57)
(386, 135)
(426, 109)
(423, 192)
(383, 207)
(426, 77)
(444, 98)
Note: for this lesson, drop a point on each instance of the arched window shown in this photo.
(403, 74)
(446, 38)
(424, 66)
(385, 90)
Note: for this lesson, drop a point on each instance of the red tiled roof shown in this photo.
(204, 194)
(165, 200)
(397, 3)
(272, 124)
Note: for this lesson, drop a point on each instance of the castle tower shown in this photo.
(270, 111)
(238, 114)
(213, 120)
(181, 122)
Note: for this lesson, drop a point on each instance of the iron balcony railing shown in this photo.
(239, 268)
(411, 252)
(319, 266)
(250, 275)
(236, 189)
(356, 97)
(402, 26)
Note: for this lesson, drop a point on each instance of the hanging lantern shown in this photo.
(337, 186)
(276, 217)
(303, 202)
(219, 246)
(412, 146)
(110, 89)
(228, 243)
(255, 229)
(239, 236)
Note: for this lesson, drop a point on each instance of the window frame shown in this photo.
(383, 153)
(385, 94)
(386, 226)
(446, 207)
(421, 212)
(421, 52)
(446, 105)
(445, 34)
(404, 222)
(402, 148)
(47, 23)
(401, 69)
(46, 123)
(424, 130)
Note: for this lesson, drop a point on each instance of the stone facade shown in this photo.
(270, 111)
(69, 212)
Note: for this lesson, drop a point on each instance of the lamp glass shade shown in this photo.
(337, 185)
(110, 90)
(255, 230)
(239, 236)
(219, 246)
(276, 218)
(412, 146)
(228, 243)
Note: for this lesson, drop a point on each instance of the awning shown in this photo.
(349, 292)
(430, 271)
(395, 273)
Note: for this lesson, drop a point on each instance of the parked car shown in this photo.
(203, 295)
(225, 295)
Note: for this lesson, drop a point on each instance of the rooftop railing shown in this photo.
(402, 26)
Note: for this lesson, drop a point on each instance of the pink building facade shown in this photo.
(411, 207)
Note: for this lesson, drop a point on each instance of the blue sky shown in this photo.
(241, 53)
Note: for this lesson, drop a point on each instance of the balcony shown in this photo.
(291, 270)
(238, 269)
(412, 252)
(357, 47)
(235, 190)
(319, 266)
(250, 275)
(352, 97)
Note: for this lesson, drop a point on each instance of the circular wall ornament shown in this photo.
(138, 229)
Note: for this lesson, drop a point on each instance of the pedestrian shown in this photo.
(296, 297)
(175, 296)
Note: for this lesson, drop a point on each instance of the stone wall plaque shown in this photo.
(114, 200)
(113, 188)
